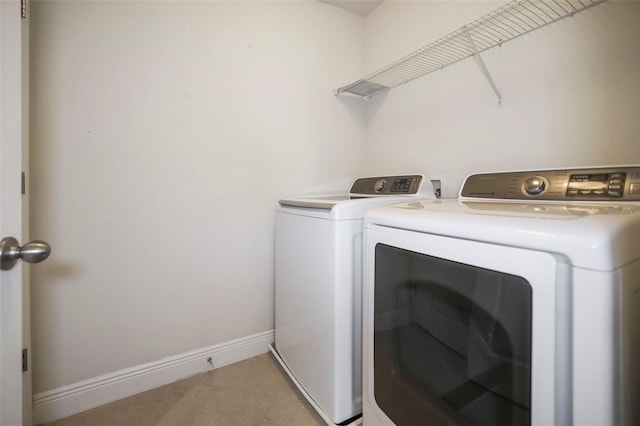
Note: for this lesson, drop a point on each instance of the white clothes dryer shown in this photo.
(516, 304)
(318, 289)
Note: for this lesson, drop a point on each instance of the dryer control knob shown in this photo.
(380, 185)
(534, 185)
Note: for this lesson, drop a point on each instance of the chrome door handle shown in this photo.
(32, 252)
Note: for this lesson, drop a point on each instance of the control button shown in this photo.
(379, 185)
(634, 188)
(599, 192)
(585, 192)
(615, 181)
(614, 193)
(534, 185)
(617, 176)
(615, 187)
(572, 192)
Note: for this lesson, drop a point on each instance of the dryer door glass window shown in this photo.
(452, 342)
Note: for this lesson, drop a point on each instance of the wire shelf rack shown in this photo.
(512, 20)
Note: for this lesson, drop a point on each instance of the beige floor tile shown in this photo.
(206, 405)
(285, 412)
(254, 392)
(261, 374)
(143, 409)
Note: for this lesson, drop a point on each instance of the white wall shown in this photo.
(163, 133)
(571, 94)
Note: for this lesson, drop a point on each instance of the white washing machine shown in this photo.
(517, 304)
(318, 289)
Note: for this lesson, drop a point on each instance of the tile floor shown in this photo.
(254, 392)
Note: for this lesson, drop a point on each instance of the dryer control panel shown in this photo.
(592, 184)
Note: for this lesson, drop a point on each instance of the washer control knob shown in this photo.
(379, 185)
(534, 185)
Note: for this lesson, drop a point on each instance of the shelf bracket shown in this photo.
(485, 70)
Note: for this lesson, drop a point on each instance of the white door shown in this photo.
(15, 385)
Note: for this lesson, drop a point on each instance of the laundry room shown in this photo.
(162, 135)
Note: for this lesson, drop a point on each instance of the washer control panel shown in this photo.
(593, 184)
(387, 185)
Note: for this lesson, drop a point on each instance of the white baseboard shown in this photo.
(68, 400)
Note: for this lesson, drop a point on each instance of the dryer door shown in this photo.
(459, 332)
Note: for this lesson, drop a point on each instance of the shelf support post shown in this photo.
(485, 70)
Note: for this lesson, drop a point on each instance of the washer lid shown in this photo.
(326, 202)
(592, 236)
(380, 186)
(366, 193)
(333, 208)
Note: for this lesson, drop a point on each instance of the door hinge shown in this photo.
(23, 183)
(23, 7)
(25, 360)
